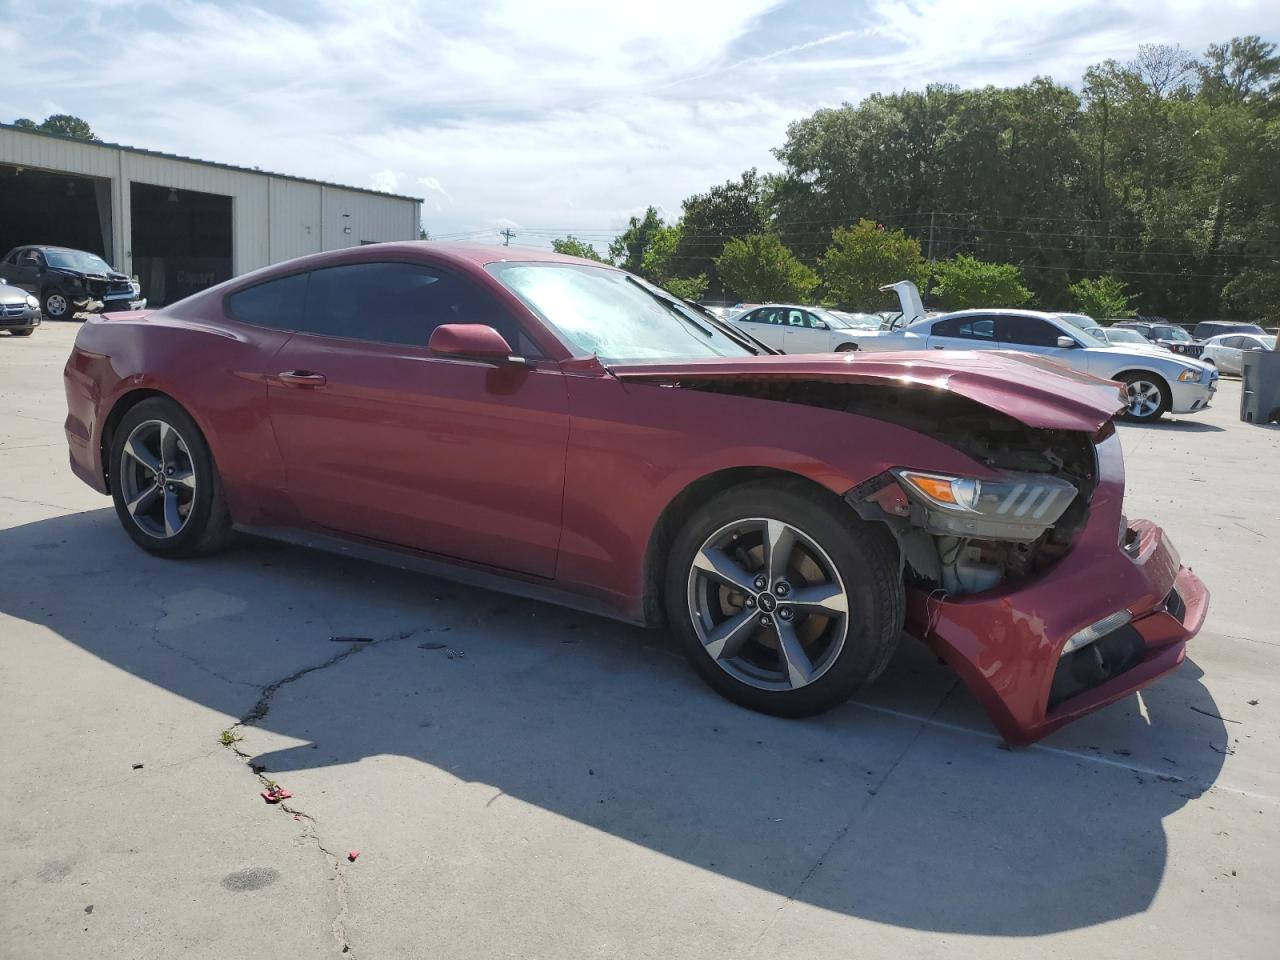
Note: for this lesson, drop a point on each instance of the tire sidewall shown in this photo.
(66, 314)
(189, 540)
(853, 545)
(1165, 398)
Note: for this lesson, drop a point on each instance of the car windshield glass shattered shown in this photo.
(600, 311)
(77, 260)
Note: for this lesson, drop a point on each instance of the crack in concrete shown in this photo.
(163, 603)
(42, 503)
(872, 793)
(255, 715)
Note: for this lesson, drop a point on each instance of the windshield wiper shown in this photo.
(671, 305)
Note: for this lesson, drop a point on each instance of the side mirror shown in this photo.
(822, 325)
(469, 341)
(1067, 343)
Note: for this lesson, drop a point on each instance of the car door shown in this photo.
(384, 440)
(967, 332)
(1230, 356)
(25, 271)
(766, 325)
(804, 332)
(1036, 335)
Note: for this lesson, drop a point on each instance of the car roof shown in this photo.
(996, 311)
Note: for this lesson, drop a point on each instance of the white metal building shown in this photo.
(179, 224)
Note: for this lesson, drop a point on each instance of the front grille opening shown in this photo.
(1090, 666)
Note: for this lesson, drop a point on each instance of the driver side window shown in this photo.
(966, 328)
(1029, 332)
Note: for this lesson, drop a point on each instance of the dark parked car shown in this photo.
(1168, 335)
(19, 311)
(1216, 328)
(68, 282)
(561, 429)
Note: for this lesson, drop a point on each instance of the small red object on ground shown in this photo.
(352, 854)
(276, 794)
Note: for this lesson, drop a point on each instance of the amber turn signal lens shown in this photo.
(937, 488)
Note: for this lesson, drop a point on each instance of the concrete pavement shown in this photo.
(525, 781)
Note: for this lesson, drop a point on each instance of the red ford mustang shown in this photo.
(560, 429)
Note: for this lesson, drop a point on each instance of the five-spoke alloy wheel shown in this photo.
(768, 604)
(158, 478)
(166, 489)
(784, 600)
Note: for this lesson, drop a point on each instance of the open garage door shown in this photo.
(181, 241)
(57, 209)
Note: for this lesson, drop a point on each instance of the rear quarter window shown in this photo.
(276, 304)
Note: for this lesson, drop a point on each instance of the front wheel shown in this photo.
(1148, 396)
(23, 332)
(783, 600)
(57, 305)
(166, 488)
(847, 348)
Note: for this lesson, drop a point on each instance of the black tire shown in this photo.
(1133, 377)
(866, 557)
(23, 331)
(208, 522)
(847, 348)
(61, 303)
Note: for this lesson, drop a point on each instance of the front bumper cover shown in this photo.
(1006, 643)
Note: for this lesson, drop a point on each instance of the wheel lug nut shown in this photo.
(750, 601)
(782, 589)
(170, 487)
(785, 614)
(761, 583)
(766, 620)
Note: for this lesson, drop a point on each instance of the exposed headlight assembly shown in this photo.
(32, 302)
(1019, 506)
(1188, 375)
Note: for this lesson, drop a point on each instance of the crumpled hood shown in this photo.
(1034, 390)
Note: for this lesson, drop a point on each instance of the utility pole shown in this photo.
(506, 235)
(931, 216)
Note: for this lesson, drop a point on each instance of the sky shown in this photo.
(545, 116)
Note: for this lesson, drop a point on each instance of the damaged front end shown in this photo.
(1034, 587)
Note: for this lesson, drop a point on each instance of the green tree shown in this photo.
(571, 246)
(658, 262)
(60, 123)
(865, 257)
(1255, 293)
(1103, 298)
(628, 249)
(687, 288)
(732, 209)
(965, 281)
(759, 268)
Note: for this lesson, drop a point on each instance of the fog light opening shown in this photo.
(1096, 631)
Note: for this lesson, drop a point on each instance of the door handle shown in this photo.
(301, 378)
(937, 347)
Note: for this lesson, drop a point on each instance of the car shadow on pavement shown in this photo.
(1173, 425)
(901, 808)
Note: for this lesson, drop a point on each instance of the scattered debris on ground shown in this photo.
(351, 639)
(274, 794)
(1210, 713)
(352, 854)
(137, 766)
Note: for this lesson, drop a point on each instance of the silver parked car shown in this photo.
(19, 311)
(1226, 351)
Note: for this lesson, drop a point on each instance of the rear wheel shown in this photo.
(846, 348)
(1148, 396)
(783, 600)
(166, 488)
(23, 331)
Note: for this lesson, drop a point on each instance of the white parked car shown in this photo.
(1226, 351)
(1157, 381)
(795, 329)
(1124, 337)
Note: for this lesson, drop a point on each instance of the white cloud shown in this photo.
(557, 114)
